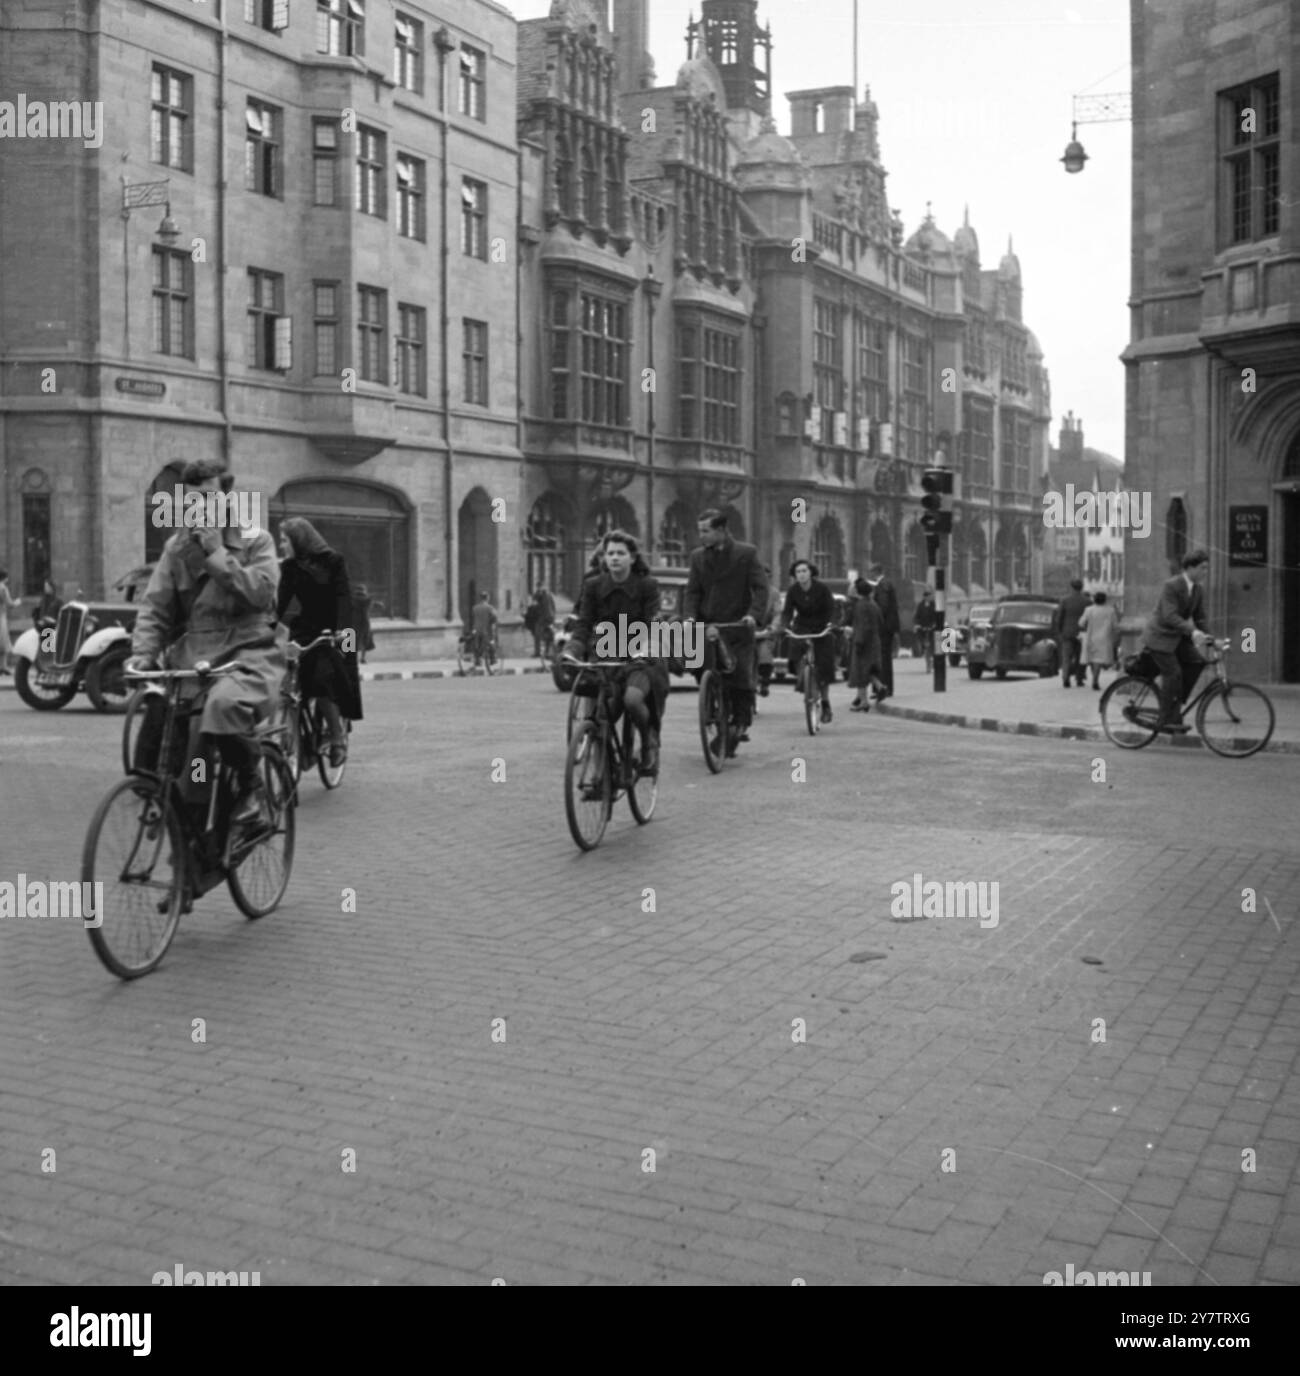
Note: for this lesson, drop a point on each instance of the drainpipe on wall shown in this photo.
(445, 44)
(223, 364)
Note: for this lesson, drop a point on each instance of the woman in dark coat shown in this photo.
(316, 577)
(809, 608)
(868, 646)
(625, 589)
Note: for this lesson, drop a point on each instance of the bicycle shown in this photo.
(159, 839)
(601, 764)
(720, 731)
(302, 726)
(475, 651)
(810, 684)
(1234, 719)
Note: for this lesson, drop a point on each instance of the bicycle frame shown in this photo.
(603, 717)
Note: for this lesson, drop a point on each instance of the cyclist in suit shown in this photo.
(1175, 633)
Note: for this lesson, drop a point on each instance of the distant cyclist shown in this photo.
(809, 608)
(727, 584)
(483, 622)
(625, 589)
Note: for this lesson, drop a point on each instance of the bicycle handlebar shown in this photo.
(202, 670)
(815, 635)
(597, 663)
(325, 638)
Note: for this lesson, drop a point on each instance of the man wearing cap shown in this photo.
(212, 597)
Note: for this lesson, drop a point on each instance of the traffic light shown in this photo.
(937, 519)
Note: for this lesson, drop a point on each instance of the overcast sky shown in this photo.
(975, 102)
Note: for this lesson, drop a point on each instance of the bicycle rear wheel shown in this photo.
(262, 859)
(135, 848)
(588, 794)
(642, 789)
(713, 725)
(812, 703)
(1130, 711)
(1235, 719)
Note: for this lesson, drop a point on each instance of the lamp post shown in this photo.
(651, 285)
(1103, 109)
(134, 196)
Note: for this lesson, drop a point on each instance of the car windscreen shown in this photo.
(1025, 613)
(982, 612)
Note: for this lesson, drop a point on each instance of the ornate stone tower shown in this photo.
(730, 36)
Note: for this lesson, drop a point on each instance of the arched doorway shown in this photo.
(546, 539)
(828, 548)
(476, 539)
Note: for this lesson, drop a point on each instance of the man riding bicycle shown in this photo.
(1175, 633)
(626, 590)
(212, 597)
(809, 609)
(483, 627)
(727, 583)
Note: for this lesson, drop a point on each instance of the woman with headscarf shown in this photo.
(316, 577)
(868, 648)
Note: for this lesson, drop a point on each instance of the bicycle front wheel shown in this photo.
(588, 794)
(812, 703)
(580, 708)
(131, 725)
(331, 775)
(262, 859)
(713, 724)
(135, 849)
(1130, 711)
(1235, 719)
(642, 789)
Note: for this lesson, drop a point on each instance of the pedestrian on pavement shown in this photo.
(1099, 625)
(484, 622)
(868, 648)
(7, 600)
(47, 609)
(1065, 625)
(1175, 633)
(316, 577)
(882, 591)
(923, 628)
(768, 645)
(361, 604)
(540, 617)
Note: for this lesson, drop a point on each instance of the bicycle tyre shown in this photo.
(131, 724)
(1231, 743)
(588, 795)
(643, 789)
(331, 775)
(282, 803)
(713, 727)
(154, 811)
(577, 712)
(1142, 699)
(812, 707)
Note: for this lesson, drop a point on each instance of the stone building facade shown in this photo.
(1093, 552)
(1213, 366)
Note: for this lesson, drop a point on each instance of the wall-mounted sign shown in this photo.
(1247, 536)
(141, 387)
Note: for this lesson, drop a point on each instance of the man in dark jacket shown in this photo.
(1175, 632)
(727, 583)
(923, 628)
(1066, 625)
(882, 592)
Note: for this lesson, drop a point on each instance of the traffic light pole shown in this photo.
(938, 577)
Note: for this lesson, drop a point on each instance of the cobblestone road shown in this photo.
(673, 1031)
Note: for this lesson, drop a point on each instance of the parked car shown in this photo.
(974, 632)
(1021, 639)
(86, 648)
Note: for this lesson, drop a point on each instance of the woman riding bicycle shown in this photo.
(626, 590)
(809, 608)
(316, 577)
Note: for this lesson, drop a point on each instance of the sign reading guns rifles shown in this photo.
(1247, 536)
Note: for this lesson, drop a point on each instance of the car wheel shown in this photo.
(955, 661)
(31, 692)
(975, 670)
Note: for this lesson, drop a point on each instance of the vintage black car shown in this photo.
(1021, 639)
(974, 632)
(86, 647)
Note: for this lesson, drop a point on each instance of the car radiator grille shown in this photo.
(67, 638)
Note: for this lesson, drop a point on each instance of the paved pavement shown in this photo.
(930, 1043)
